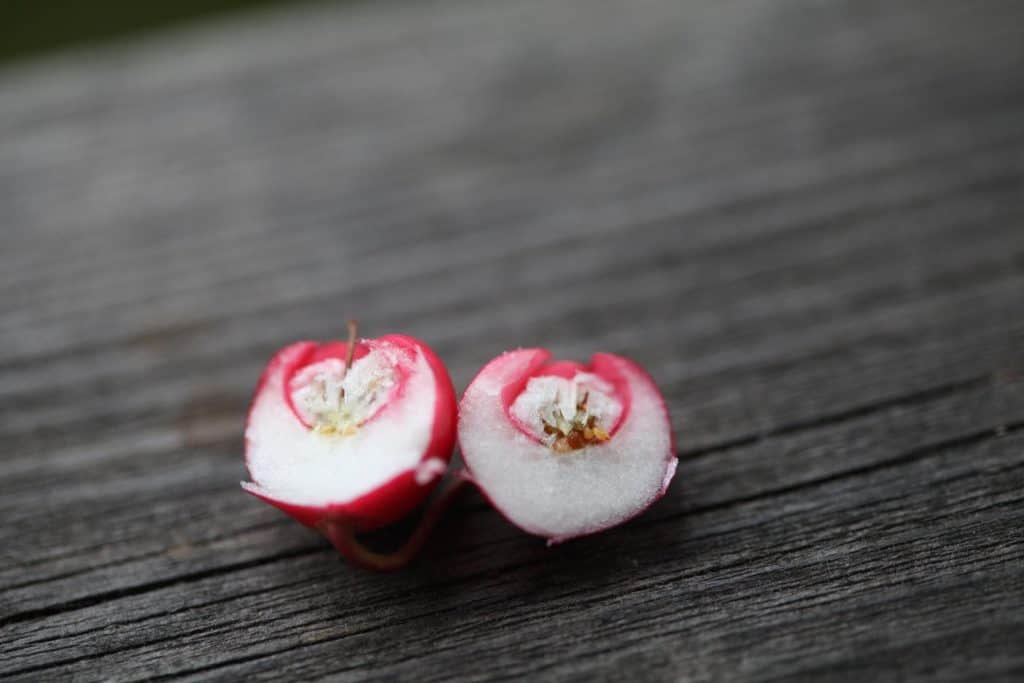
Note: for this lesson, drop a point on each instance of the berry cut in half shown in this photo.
(350, 436)
(564, 449)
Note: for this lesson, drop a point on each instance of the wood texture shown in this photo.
(804, 218)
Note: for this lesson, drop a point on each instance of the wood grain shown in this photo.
(804, 218)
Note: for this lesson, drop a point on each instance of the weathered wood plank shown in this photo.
(803, 218)
(319, 280)
(789, 542)
(785, 603)
(710, 290)
(746, 153)
(768, 468)
(969, 345)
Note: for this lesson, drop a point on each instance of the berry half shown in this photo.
(564, 449)
(350, 435)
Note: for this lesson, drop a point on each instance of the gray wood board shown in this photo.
(805, 219)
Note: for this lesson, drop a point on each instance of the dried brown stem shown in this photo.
(353, 330)
(341, 534)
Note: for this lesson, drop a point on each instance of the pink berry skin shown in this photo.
(564, 449)
(364, 457)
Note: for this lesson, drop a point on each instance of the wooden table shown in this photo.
(805, 219)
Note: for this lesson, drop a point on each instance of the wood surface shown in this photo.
(804, 218)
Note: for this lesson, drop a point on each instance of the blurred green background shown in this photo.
(29, 28)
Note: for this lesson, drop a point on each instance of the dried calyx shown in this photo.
(567, 413)
(335, 398)
(573, 434)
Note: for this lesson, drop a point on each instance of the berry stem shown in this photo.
(342, 535)
(353, 330)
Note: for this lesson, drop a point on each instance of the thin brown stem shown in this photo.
(341, 534)
(353, 330)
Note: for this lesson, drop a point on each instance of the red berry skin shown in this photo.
(396, 498)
